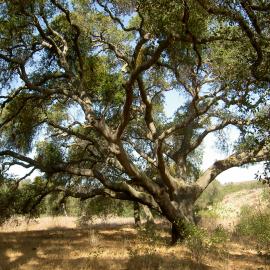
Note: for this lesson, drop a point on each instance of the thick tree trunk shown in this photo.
(178, 231)
(180, 216)
(136, 213)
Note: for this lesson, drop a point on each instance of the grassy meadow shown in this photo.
(233, 233)
(56, 243)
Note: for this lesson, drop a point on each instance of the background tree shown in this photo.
(83, 86)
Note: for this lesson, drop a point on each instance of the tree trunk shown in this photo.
(137, 216)
(178, 231)
(148, 214)
(64, 209)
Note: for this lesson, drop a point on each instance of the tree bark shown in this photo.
(136, 213)
(148, 214)
(64, 209)
(178, 231)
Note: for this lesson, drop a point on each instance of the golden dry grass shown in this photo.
(56, 244)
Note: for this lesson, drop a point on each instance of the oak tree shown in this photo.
(83, 86)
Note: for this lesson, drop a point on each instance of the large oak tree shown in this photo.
(83, 85)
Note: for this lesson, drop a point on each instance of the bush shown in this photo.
(255, 225)
(201, 242)
(196, 242)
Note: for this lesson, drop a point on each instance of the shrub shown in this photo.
(255, 225)
(196, 242)
(201, 242)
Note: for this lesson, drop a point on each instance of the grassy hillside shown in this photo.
(224, 204)
(216, 192)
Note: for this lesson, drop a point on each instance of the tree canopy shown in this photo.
(83, 86)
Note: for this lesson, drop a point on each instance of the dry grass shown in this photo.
(57, 244)
(45, 223)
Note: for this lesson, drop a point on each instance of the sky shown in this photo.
(211, 153)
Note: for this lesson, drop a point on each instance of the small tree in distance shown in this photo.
(82, 95)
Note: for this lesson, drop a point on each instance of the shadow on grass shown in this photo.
(63, 248)
(157, 261)
(40, 247)
(60, 248)
(89, 249)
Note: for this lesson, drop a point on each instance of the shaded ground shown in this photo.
(107, 246)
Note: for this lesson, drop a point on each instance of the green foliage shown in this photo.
(262, 130)
(227, 61)
(102, 208)
(200, 242)
(212, 195)
(107, 84)
(6, 201)
(235, 187)
(48, 153)
(52, 205)
(26, 199)
(65, 55)
(255, 225)
(266, 196)
(21, 124)
(57, 112)
(165, 17)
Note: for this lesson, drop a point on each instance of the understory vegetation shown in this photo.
(254, 225)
